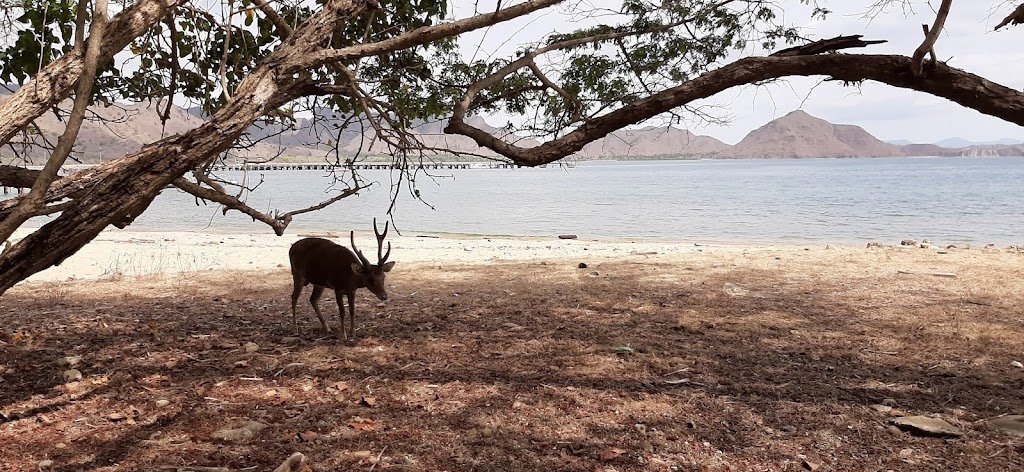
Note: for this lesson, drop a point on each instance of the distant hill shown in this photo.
(957, 143)
(652, 142)
(798, 134)
(795, 135)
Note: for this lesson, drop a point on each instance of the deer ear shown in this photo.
(357, 268)
(388, 266)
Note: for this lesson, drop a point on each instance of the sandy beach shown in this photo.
(138, 253)
(498, 353)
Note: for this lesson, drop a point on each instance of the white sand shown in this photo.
(137, 253)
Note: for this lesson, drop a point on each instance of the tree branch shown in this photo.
(956, 85)
(1014, 18)
(425, 34)
(17, 177)
(577, 105)
(930, 37)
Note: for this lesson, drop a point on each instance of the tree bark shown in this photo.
(962, 87)
(17, 177)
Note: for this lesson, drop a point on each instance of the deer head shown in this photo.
(373, 275)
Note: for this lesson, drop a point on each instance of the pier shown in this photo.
(273, 166)
(278, 166)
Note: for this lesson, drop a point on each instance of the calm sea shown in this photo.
(946, 200)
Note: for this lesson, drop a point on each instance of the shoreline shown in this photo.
(128, 253)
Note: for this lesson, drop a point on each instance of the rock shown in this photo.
(117, 416)
(905, 453)
(893, 430)
(1009, 424)
(882, 408)
(251, 347)
(297, 462)
(908, 242)
(875, 244)
(71, 375)
(583, 265)
(162, 403)
(595, 273)
(566, 236)
(810, 465)
(239, 431)
(890, 402)
(45, 464)
(925, 246)
(289, 340)
(788, 429)
(926, 426)
(1017, 364)
(69, 361)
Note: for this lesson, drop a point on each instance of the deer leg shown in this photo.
(341, 312)
(352, 313)
(314, 299)
(295, 299)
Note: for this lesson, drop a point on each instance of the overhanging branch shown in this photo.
(956, 85)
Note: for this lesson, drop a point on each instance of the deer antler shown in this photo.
(362, 258)
(380, 242)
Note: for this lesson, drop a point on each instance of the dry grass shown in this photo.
(525, 366)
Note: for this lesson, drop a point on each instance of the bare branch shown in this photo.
(279, 222)
(827, 45)
(425, 34)
(1015, 18)
(930, 37)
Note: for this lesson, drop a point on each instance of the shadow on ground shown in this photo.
(512, 367)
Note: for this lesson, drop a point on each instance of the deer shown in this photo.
(327, 265)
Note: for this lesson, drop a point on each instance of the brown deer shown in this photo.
(327, 265)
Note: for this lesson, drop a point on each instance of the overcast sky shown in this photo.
(887, 112)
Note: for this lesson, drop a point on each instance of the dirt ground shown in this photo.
(769, 360)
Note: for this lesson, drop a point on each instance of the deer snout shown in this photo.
(382, 296)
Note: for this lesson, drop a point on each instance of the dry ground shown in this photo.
(763, 361)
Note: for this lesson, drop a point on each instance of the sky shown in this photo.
(889, 113)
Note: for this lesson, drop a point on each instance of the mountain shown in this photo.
(652, 142)
(798, 134)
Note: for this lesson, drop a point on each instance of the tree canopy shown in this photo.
(380, 67)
